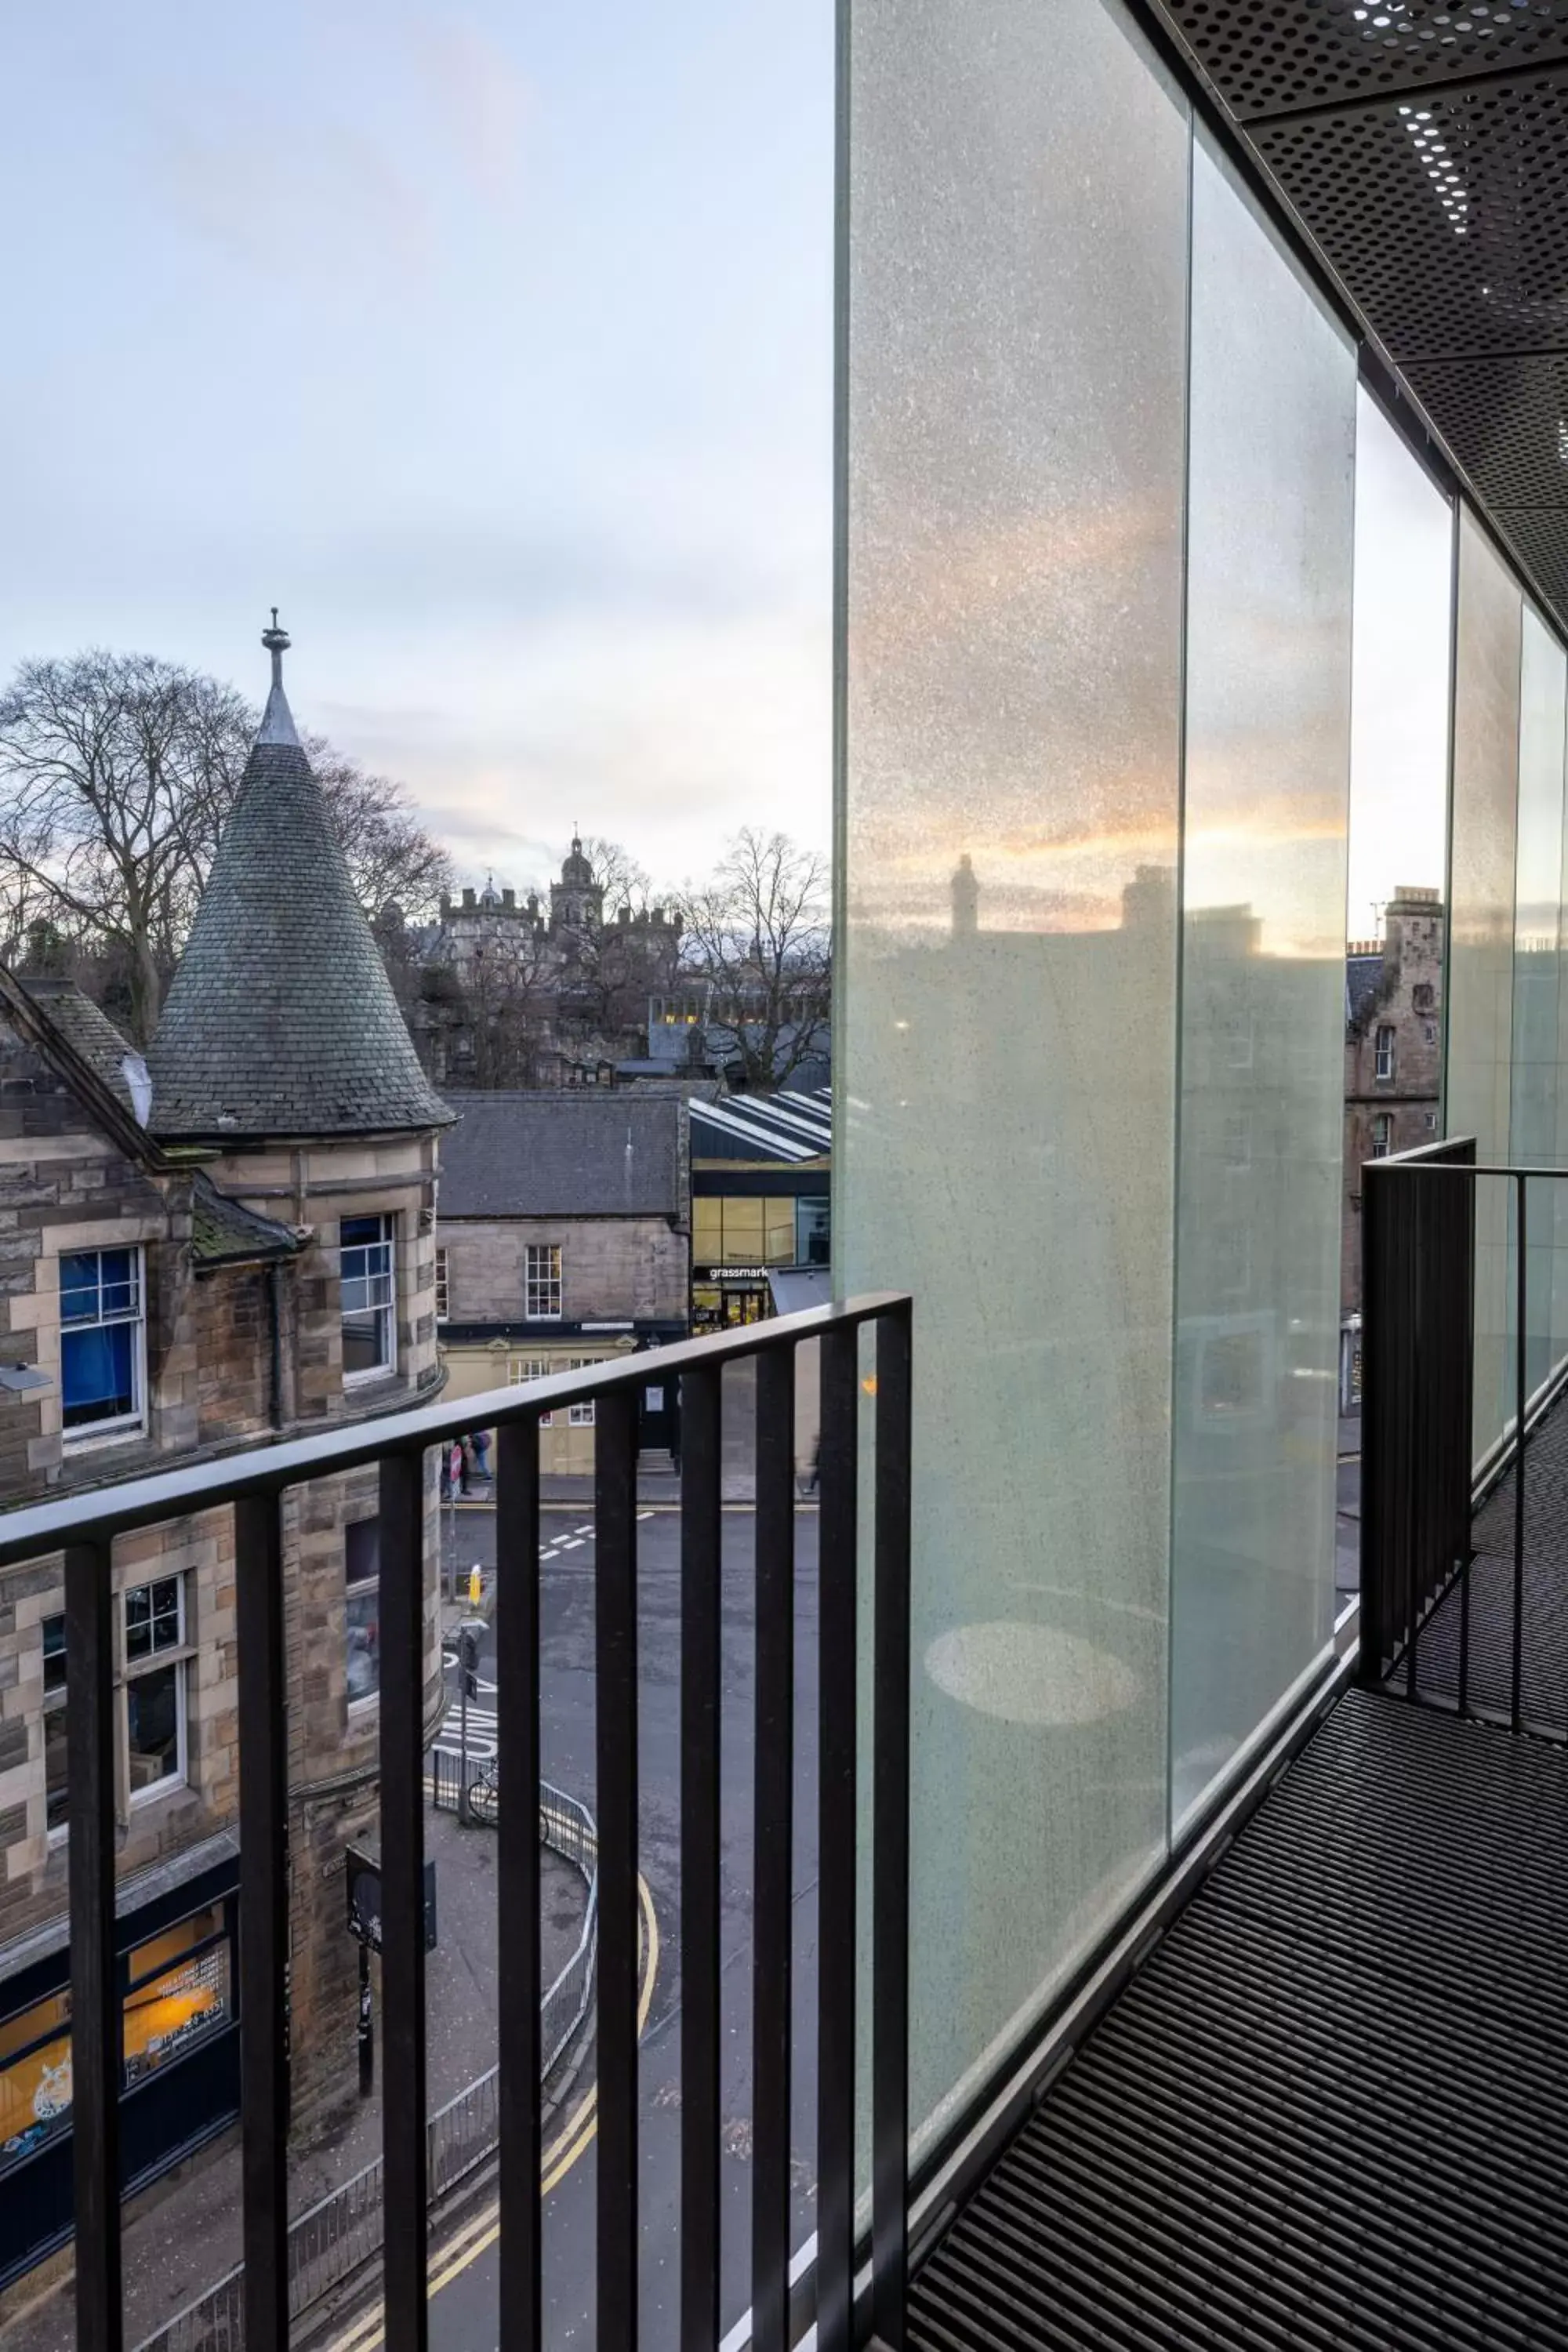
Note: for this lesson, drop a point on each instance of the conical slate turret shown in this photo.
(281, 1020)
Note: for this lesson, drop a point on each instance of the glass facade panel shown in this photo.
(1269, 561)
(1007, 897)
(1483, 836)
(1538, 881)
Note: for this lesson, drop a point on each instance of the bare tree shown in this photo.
(624, 882)
(758, 939)
(116, 772)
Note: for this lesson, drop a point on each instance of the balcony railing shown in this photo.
(1465, 1357)
(851, 2304)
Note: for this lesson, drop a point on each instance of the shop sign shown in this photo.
(727, 1274)
(364, 1900)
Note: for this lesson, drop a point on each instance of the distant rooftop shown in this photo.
(559, 1153)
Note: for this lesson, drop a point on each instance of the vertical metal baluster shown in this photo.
(94, 1978)
(518, 1902)
(1520, 1377)
(773, 1848)
(700, 1661)
(890, 1837)
(402, 1540)
(836, 1890)
(1413, 1483)
(263, 1916)
(1373, 1637)
(614, 1594)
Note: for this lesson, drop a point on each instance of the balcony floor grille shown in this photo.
(1328, 2110)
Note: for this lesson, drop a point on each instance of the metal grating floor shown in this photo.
(1331, 2109)
(1544, 1652)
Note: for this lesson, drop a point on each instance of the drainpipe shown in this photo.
(275, 1321)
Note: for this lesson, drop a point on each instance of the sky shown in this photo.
(1399, 680)
(492, 344)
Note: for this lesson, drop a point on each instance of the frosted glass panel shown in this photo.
(1538, 881)
(1270, 540)
(1018, 192)
(1482, 850)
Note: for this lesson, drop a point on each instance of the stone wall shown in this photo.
(611, 1267)
(1409, 1000)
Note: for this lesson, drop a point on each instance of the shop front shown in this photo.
(176, 1960)
(724, 1297)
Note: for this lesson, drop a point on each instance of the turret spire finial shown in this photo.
(276, 721)
(276, 641)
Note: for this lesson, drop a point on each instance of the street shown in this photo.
(464, 2275)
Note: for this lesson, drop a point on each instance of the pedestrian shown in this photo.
(482, 1453)
(467, 1445)
(453, 1468)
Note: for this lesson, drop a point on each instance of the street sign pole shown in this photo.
(366, 2027)
(463, 1742)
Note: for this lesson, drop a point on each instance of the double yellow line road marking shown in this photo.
(479, 2234)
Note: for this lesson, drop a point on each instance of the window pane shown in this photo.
(152, 1617)
(152, 1702)
(1270, 558)
(778, 1233)
(162, 1951)
(54, 1631)
(162, 2019)
(1480, 955)
(78, 1287)
(55, 1786)
(1009, 847)
(366, 1341)
(743, 1233)
(362, 1551)
(98, 1375)
(1538, 879)
(362, 1615)
(35, 2092)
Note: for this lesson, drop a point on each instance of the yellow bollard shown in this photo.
(474, 1586)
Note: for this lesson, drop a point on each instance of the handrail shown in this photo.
(255, 1485)
(102, 1513)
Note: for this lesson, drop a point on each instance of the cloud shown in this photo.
(317, 203)
(481, 100)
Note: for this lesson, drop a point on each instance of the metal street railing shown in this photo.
(255, 1483)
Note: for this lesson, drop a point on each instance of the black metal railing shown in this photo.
(255, 1483)
(1464, 1544)
(1417, 1389)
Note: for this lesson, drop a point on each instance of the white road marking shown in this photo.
(585, 1531)
(571, 1543)
(645, 1515)
(549, 1553)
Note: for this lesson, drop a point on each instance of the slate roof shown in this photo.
(225, 1232)
(281, 1020)
(82, 1024)
(557, 1153)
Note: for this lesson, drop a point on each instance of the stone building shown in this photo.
(563, 1239)
(513, 995)
(1393, 1052)
(232, 1240)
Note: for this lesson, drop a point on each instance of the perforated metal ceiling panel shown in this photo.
(1425, 151)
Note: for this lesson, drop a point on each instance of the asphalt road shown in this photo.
(463, 2281)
